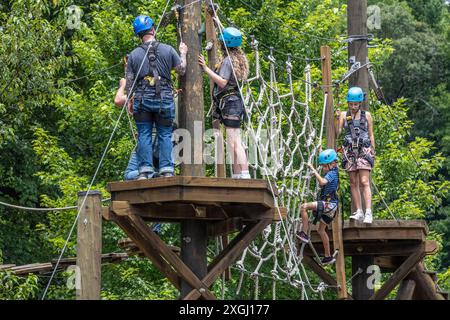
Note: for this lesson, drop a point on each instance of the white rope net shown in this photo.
(282, 139)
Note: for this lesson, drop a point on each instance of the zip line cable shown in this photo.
(14, 206)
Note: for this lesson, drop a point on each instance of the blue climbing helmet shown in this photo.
(231, 37)
(142, 23)
(327, 156)
(355, 94)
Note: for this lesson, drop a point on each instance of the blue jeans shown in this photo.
(151, 103)
(131, 173)
(132, 170)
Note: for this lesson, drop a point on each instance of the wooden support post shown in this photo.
(360, 289)
(406, 290)
(357, 49)
(191, 117)
(193, 250)
(358, 52)
(191, 104)
(89, 245)
(229, 255)
(331, 143)
(399, 274)
(425, 285)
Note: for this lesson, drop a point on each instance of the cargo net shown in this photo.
(281, 139)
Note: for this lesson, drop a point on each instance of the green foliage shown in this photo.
(13, 287)
(57, 115)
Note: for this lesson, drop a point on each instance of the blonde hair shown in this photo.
(239, 61)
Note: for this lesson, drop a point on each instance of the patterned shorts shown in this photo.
(361, 162)
(325, 211)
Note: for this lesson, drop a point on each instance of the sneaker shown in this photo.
(302, 236)
(328, 260)
(235, 176)
(368, 216)
(167, 175)
(245, 176)
(144, 176)
(358, 215)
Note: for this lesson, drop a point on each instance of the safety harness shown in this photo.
(355, 143)
(219, 102)
(322, 197)
(152, 79)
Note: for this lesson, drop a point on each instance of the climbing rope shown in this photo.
(276, 109)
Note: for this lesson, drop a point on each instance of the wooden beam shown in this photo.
(89, 244)
(406, 290)
(148, 250)
(322, 273)
(425, 284)
(197, 195)
(400, 248)
(188, 181)
(360, 289)
(399, 274)
(381, 230)
(357, 26)
(174, 212)
(229, 255)
(175, 262)
(325, 54)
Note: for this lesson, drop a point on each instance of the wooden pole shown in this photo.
(89, 245)
(358, 52)
(191, 117)
(331, 143)
(406, 290)
(191, 108)
(425, 285)
(357, 49)
(360, 289)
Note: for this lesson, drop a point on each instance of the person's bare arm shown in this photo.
(341, 121)
(181, 68)
(322, 181)
(370, 128)
(121, 97)
(221, 82)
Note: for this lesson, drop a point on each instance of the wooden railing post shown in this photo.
(89, 245)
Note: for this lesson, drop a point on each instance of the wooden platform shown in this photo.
(177, 198)
(396, 247)
(381, 238)
(215, 206)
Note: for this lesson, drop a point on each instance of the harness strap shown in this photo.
(145, 116)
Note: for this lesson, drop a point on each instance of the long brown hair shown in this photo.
(238, 60)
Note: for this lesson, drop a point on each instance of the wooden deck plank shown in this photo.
(415, 230)
(380, 248)
(189, 181)
(174, 212)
